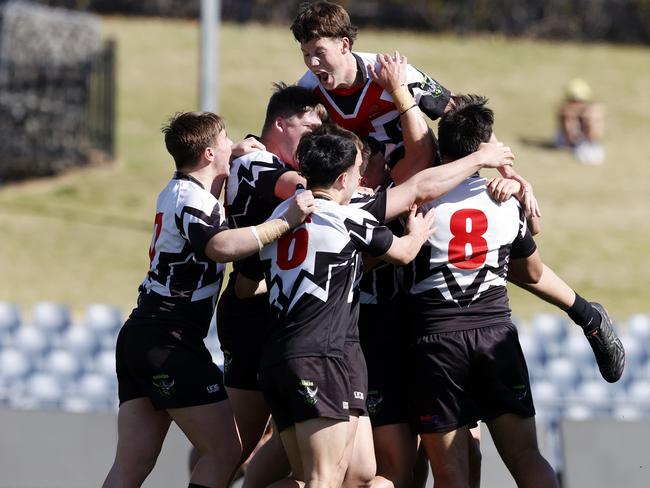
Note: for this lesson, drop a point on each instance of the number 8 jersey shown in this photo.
(458, 280)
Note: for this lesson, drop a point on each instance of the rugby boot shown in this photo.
(607, 347)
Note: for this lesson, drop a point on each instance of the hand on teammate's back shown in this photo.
(420, 225)
(301, 206)
(248, 145)
(501, 189)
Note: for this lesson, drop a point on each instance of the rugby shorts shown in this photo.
(305, 388)
(166, 363)
(356, 365)
(243, 328)
(460, 377)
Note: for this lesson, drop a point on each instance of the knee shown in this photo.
(360, 475)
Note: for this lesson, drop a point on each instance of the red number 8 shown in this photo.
(457, 246)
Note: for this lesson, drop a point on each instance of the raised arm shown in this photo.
(419, 144)
(432, 183)
(234, 244)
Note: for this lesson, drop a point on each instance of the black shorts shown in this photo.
(301, 389)
(384, 344)
(356, 364)
(464, 376)
(166, 363)
(243, 328)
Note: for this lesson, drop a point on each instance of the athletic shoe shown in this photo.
(607, 347)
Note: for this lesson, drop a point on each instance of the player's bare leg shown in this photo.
(252, 416)
(421, 468)
(396, 450)
(474, 456)
(212, 430)
(362, 466)
(268, 464)
(317, 453)
(141, 431)
(515, 438)
(448, 455)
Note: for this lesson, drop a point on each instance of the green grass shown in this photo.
(83, 237)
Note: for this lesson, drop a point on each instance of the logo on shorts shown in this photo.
(227, 359)
(346, 406)
(358, 395)
(520, 391)
(374, 399)
(305, 388)
(429, 419)
(164, 384)
(213, 388)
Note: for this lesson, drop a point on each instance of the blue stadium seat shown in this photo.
(563, 373)
(97, 388)
(9, 320)
(629, 413)
(52, 318)
(104, 362)
(638, 325)
(635, 354)
(578, 411)
(63, 364)
(596, 394)
(44, 390)
(638, 393)
(550, 330)
(15, 364)
(31, 340)
(80, 341)
(105, 321)
(548, 399)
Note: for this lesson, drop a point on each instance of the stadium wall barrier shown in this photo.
(54, 449)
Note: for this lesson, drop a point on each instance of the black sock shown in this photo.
(583, 314)
(194, 485)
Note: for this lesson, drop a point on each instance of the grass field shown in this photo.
(83, 237)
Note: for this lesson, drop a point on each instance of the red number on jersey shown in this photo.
(157, 227)
(460, 221)
(299, 238)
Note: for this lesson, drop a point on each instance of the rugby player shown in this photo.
(467, 362)
(164, 370)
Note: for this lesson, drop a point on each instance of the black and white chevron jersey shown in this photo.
(182, 283)
(250, 191)
(382, 283)
(368, 110)
(458, 280)
(310, 274)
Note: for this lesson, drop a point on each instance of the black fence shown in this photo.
(56, 116)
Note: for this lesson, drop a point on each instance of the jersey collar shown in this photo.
(182, 176)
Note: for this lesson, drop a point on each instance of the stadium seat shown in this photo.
(63, 364)
(563, 373)
(638, 325)
(52, 318)
(80, 341)
(638, 393)
(105, 321)
(578, 411)
(104, 362)
(9, 320)
(596, 394)
(550, 330)
(97, 388)
(31, 340)
(44, 390)
(15, 364)
(629, 413)
(635, 354)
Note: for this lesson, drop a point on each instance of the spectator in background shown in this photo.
(581, 123)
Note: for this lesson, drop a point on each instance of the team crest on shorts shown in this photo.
(374, 401)
(164, 384)
(520, 391)
(308, 392)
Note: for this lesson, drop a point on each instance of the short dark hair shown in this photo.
(290, 100)
(322, 19)
(323, 156)
(462, 130)
(187, 134)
